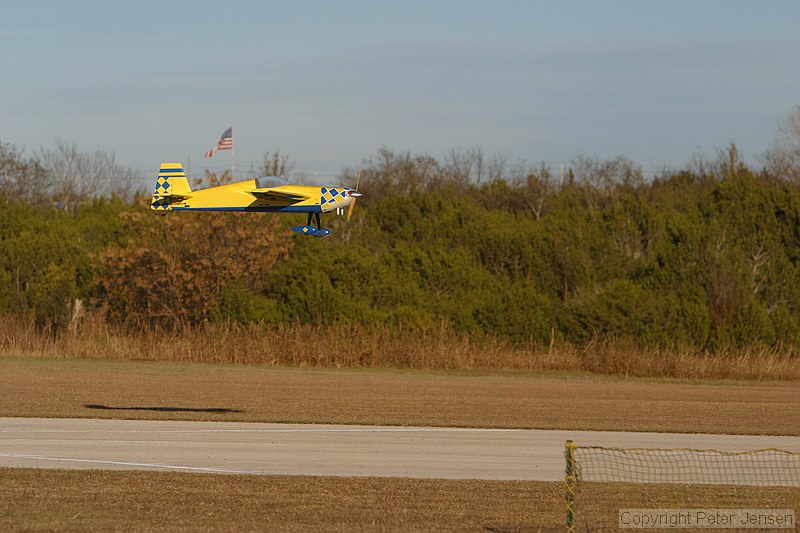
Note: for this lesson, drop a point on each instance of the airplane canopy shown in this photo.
(266, 182)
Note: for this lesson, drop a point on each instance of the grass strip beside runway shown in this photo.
(32, 499)
(59, 388)
(91, 500)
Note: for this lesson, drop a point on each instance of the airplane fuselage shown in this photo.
(238, 197)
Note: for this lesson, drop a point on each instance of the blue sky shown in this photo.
(329, 83)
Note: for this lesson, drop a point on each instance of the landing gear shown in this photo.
(308, 229)
(316, 216)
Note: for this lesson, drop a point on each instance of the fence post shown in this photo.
(569, 484)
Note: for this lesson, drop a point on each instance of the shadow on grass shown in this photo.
(220, 410)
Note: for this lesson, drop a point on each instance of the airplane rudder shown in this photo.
(171, 181)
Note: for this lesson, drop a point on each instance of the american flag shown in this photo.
(225, 142)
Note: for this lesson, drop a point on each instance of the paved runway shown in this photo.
(322, 450)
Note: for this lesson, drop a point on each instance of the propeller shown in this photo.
(354, 194)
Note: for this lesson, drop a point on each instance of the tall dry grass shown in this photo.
(305, 345)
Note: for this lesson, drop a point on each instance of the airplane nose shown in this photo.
(355, 194)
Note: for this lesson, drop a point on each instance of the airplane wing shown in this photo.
(278, 195)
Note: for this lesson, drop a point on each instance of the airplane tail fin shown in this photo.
(171, 186)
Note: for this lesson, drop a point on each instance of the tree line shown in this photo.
(703, 257)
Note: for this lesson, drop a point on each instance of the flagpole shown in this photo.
(233, 161)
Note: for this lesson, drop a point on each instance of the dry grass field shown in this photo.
(598, 504)
(46, 500)
(392, 347)
(34, 387)
(63, 500)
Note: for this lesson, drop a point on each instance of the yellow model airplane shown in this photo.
(265, 194)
